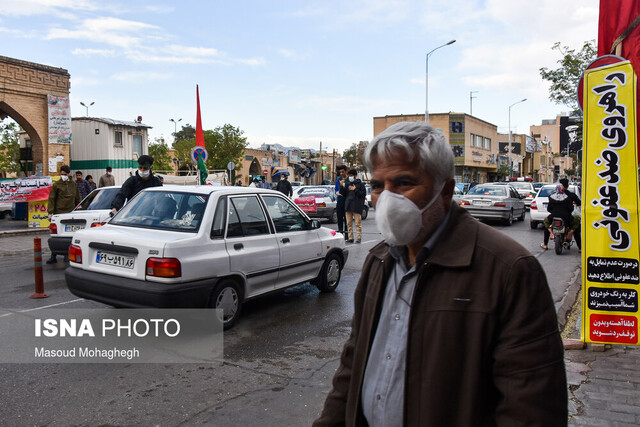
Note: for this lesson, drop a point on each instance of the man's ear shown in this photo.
(447, 191)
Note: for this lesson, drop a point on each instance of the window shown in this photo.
(246, 217)
(217, 229)
(284, 215)
(118, 138)
(487, 143)
(137, 144)
(478, 141)
(472, 140)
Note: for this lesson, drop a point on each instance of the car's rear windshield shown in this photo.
(546, 191)
(521, 185)
(98, 199)
(164, 210)
(488, 190)
(313, 192)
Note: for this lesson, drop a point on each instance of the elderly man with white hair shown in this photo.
(454, 324)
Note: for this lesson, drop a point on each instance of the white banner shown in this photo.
(59, 119)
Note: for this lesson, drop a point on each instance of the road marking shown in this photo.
(40, 308)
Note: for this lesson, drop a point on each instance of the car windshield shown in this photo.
(547, 191)
(164, 210)
(521, 185)
(488, 190)
(317, 191)
(98, 199)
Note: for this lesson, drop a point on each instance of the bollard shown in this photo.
(37, 262)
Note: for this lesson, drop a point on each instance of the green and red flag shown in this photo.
(202, 168)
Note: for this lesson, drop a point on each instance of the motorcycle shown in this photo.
(559, 232)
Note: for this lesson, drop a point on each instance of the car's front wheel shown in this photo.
(329, 277)
(365, 213)
(227, 297)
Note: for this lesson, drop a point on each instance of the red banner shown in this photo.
(199, 133)
(25, 189)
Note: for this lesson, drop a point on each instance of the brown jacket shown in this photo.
(483, 347)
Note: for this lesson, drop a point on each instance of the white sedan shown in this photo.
(538, 210)
(203, 246)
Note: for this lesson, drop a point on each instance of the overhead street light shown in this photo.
(426, 111)
(86, 106)
(510, 165)
(175, 126)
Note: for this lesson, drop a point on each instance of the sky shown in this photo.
(300, 73)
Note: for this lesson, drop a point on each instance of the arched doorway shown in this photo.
(24, 90)
(254, 169)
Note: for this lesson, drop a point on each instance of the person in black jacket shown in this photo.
(144, 178)
(284, 186)
(560, 206)
(354, 193)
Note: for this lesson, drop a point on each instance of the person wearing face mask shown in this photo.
(454, 323)
(107, 179)
(354, 193)
(63, 197)
(143, 178)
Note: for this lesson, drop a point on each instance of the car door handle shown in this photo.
(238, 246)
(285, 240)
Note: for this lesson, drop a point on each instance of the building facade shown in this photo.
(474, 142)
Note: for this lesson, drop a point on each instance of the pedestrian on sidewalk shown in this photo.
(340, 181)
(354, 193)
(83, 186)
(284, 186)
(107, 179)
(454, 324)
(63, 197)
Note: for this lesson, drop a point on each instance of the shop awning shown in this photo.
(279, 171)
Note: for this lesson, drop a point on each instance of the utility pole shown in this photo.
(321, 164)
(471, 98)
(333, 165)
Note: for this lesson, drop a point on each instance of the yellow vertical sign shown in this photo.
(610, 259)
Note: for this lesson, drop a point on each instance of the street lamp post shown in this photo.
(175, 126)
(509, 154)
(426, 111)
(86, 106)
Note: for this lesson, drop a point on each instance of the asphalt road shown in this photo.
(278, 360)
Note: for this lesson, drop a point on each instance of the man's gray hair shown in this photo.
(414, 139)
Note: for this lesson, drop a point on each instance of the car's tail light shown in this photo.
(164, 267)
(321, 205)
(464, 203)
(534, 205)
(530, 196)
(75, 254)
(98, 224)
(500, 204)
(53, 228)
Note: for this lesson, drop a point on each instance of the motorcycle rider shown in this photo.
(560, 206)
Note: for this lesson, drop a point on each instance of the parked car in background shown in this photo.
(538, 211)
(457, 194)
(493, 201)
(5, 209)
(525, 189)
(203, 246)
(368, 198)
(92, 211)
(538, 185)
(317, 201)
(463, 186)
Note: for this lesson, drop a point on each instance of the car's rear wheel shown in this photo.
(524, 211)
(227, 297)
(533, 225)
(365, 213)
(509, 219)
(334, 217)
(329, 277)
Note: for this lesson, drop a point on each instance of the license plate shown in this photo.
(74, 227)
(482, 203)
(116, 260)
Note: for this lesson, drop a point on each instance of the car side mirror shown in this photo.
(315, 224)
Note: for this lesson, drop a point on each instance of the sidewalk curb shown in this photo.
(570, 297)
(23, 232)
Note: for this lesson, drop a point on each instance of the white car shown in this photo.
(203, 246)
(538, 209)
(317, 201)
(368, 197)
(92, 211)
(525, 189)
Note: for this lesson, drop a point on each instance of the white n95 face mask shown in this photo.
(64, 177)
(398, 218)
(143, 174)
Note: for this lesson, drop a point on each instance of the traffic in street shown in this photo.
(279, 358)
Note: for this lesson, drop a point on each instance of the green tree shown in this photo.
(9, 146)
(187, 132)
(565, 79)
(159, 150)
(183, 153)
(225, 144)
(350, 155)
